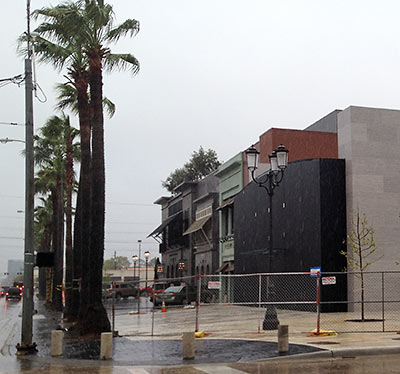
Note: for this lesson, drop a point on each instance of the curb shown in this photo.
(339, 353)
(369, 351)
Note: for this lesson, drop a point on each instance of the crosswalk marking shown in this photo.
(138, 371)
(219, 370)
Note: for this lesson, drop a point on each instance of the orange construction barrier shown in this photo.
(163, 308)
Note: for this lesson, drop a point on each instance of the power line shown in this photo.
(128, 242)
(18, 79)
(131, 223)
(126, 232)
(134, 204)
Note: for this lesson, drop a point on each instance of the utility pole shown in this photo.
(26, 346)
(115, 260)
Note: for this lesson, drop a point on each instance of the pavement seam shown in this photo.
(5, 349)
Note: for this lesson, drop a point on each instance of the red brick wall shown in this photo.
(301, 144)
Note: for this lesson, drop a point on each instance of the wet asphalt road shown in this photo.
(9, 325)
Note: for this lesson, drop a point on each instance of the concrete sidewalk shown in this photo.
(226, 342)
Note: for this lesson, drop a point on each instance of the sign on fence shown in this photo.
(328, 280)
(216, 285)
(314, 271)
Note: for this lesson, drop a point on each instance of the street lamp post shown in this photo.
(134, 258)
(146, 255)
(140, 248)
(269, 181)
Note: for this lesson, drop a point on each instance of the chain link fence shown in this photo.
(253, 303)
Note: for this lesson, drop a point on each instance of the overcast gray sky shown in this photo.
(215, 73)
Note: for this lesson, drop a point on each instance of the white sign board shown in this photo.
(328, 280)
(214, 285)
(314, 271)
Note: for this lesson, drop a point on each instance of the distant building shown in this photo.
(188, 235)
(15, 267)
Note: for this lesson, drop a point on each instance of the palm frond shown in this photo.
(109, 106)
(67, 97)
(130, 27)
(113, 61)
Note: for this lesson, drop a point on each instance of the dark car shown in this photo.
(13, 293)
(125, 290)
(3, 290)
(178, 295)
(157, 288)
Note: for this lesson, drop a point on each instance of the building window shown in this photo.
(201, 213)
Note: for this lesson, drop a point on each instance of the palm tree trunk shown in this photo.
(58, 248)
(45, 246)
(77, 254)
(69, 172)
(96, 318)
(82, 239)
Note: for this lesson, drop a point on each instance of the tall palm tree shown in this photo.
(71, 153)
(81, 32)
(54, 42)
(54, 153)
(48, 183)
(43, 229)
(68, 99)
(97, 34)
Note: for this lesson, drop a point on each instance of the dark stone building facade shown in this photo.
(309, 224)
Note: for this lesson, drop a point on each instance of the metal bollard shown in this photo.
(106, 345)
(283, 339)
(56, 343)
(188, 345)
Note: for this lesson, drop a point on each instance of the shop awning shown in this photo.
(222, 268)
(196, 225)
(160, 228)
(226, 203)
(226, 267)
(230, 268)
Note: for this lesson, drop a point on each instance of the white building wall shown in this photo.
(369, 140)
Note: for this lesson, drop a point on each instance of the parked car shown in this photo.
(13, 293)
(106, 291)
(158, 288)
(178, 295)
(125, 289)
(145, 291)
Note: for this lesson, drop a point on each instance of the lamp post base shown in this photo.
(23, 350)
(271, 321)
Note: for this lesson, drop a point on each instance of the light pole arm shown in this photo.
(8, 140)
(269, 181)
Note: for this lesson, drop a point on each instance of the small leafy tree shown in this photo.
(200, 164)
(118, 262)
(360, 248)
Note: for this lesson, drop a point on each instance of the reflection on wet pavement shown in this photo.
(360, 365)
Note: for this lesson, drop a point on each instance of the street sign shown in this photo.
(328, 280)
(314, 270)
(214, 285)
